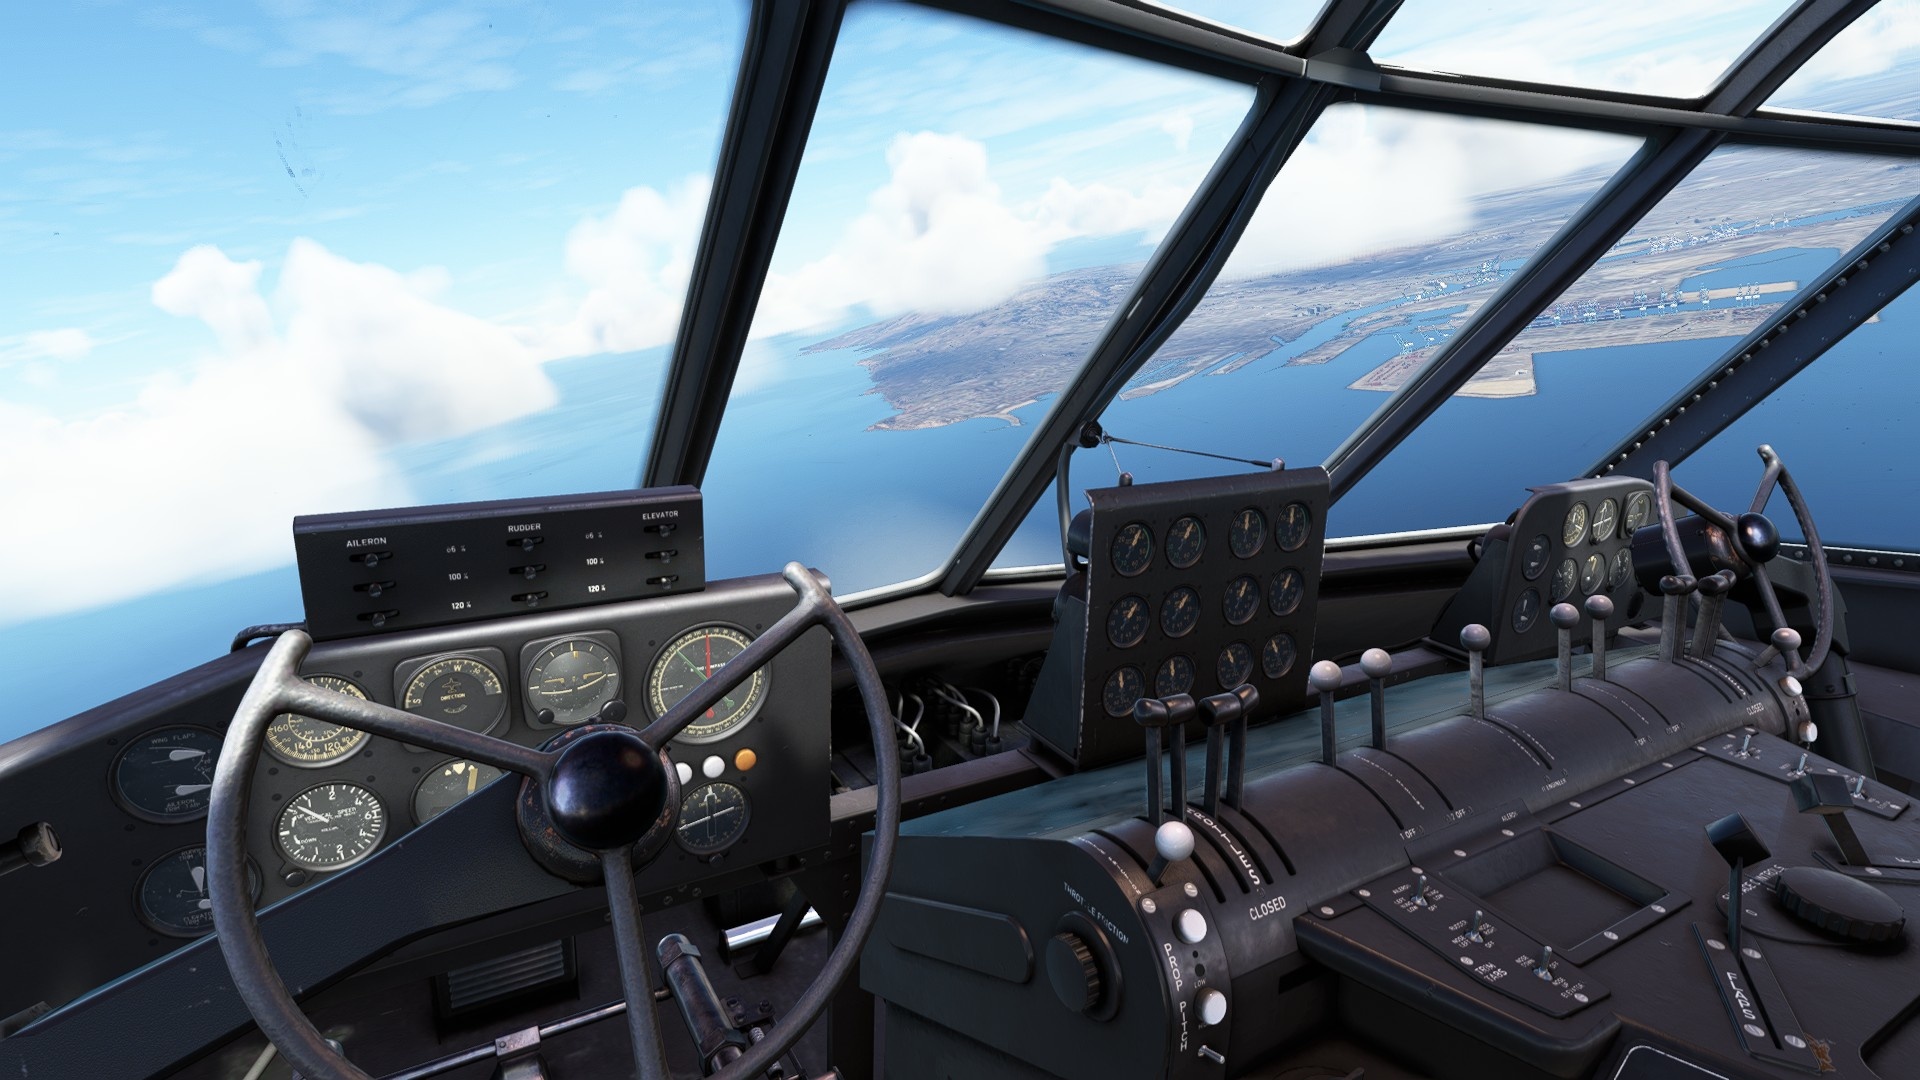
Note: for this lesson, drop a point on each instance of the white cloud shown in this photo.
(1371, 179)
(1878, 40)
(1180, 126)
(1098, 209)
(290, 415)
(67, 343)
(635, 263)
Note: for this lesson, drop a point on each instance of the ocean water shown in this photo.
(799, 474)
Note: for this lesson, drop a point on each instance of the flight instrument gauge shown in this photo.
(1174, 677)
(1593, 573)
(306, 743)
(1285, 592)
(1132, 550)
(1248, 533)
(1575, 528)
(1534, 560)
(1622, 571)
(1124, 687)
(1639, 511)
(1186, 542)
(172, 896)
(1278, 654)
(1604, 520)
(166, 776)
(1295, 524)
(570, 680)
(712, 817)
(1234, 665)
(445, 786)
(1526, 611)
(1565, 578)
(1180, 612)
(1242, 601)
(331, 826)
(693, 658)
(458, 690)
(1128, 621)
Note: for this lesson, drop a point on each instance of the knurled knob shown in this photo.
(1073, 972)
(1840, 905)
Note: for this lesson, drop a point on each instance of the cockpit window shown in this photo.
(1671, 48)
(293, 259)
(1844, 427)
(1866, 70)
(974, 204)
(1713, 260)
(1277, 20)
(1384, 232)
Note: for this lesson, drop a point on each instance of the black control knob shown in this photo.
(1840, 905)
(1074, 973)
(1758, 537)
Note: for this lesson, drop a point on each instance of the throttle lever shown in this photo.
(714, 1036)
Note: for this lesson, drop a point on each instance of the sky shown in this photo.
(262, 256)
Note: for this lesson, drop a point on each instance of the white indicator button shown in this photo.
(1191, 926)
(1212, 1006)
(685, 770)
(713, 767)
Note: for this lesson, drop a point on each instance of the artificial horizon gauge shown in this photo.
(1534, 561)
(1186, 542)
(1233, 666)
(1286, 591)
(1277, 655)
(1565, 579)
(331, 826)
(1294, 526)
(1132, 550)
(1575, 528)
(1639, 511)
(1175, 676)
(166, 776)
(1242, 601)
(458, 690)
(1248, 533)
(172, 896)
(1604, 519)
(1124, 687)
(305, 742)
(1180, 612)
(570, 680)
(693, 658)
(444, 787)
(712, 817)
(1128, 621)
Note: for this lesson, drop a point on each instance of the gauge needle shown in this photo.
(473, 777)
(185, 755)
(199, 878)
(191, 789)
(319, 817)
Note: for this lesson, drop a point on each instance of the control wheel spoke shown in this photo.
(636, 980)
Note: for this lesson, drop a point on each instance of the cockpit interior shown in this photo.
(802, 539)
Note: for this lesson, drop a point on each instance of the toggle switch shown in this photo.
(529, 571)
(1420, 892)
(1376, 665)
(375, 589)
(525, 543)
(1475, 638)
(1599, 609)
(1564, 618)
(1473, 931)
(1325, 679)
(1543, 967)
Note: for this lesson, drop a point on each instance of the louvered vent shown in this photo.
(491, 982)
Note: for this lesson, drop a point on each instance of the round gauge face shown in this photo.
(172, 896)
(457, 690)
(1180, 612)
(1249, 532)
(1233, 666)
(1574, 529)
(1127, 622)
(1533, 561)
(1186, 542)
(1132, 550)
(453, 781)
(690, 660)
(1566, 577)
(1124, 687)
(570, 680)
(1639, 511)
(1293, 527)
(1175, 676)
(1605, 519)
(331, 826)
(1622, 571)
(1242, 601)
(712, 817)
(166, 775)
(1526, 611)
(1278, 654)
(307, 743)
(1285, 591)
(1593, 573)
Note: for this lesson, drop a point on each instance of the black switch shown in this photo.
(1831, 797)
(371, 558)
(529, 571)
(375, 588)
(379, 618)
(531, 599)
(665, 580)
(526, 543)
(664, 529)
(664, 554)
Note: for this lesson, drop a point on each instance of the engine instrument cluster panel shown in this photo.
(1568, 542)
(1191, 587)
